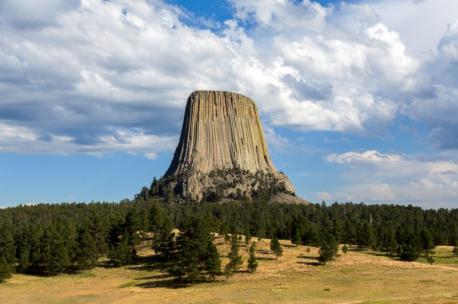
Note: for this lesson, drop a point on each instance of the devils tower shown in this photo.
(222, 153)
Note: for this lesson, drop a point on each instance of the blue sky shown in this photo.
(358, 99)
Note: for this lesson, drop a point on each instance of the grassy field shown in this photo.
(442, 255)
(355, 277)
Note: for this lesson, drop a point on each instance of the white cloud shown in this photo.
(14, 138)
(131, 64)
(367, 157)
(11, 133)
(372, 176)
(318, 75)
(420, 24)
(29, 13)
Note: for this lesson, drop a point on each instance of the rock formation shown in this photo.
(222, 153)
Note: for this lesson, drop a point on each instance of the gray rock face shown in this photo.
(222, 151)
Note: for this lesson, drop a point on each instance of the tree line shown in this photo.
(48, 239)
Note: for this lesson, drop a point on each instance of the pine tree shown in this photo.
(5, 271)
(297, 239)
(121, 253)
(132, 225)
(408, 253)
(68, 236)
(276, 247)
(296, 232)
(51, 256)
(212, 261)
(121, 250)
(156, 217)
(392, 244)
(34, 236)
(252, 262)
(186, 264)
(87, 251)
(163, 239)
(99, 229)
(235, 260)
(7, 245)
(328, 248)
(426, 242)
(23, 260)
(366, 236)
(23, 251)
(195, 254)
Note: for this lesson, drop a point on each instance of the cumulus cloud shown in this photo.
(75, 69)
(372, 176)
(30, 14)
(436, 107)
(15, 138)
(412, 17)
(368, 157)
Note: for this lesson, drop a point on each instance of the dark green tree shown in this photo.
(23, 242)
(7, 244)
(5, 270)
(86, 257)
(52, 256)
(328, 248)
(195, 253)
(389, 242)
(163, 242)
(366, 237)
(121, 250)
(426, 242)
(132, 225)
(252, 262)
(156, 217)
(408, 253)
(275, 246)
(212, 261)
(235, 259)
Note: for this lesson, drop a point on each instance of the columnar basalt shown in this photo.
(222, 152)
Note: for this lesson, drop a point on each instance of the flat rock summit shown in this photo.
(222, 154)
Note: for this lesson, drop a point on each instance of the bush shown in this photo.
(409, 253)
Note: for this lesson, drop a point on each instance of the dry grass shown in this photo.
(354, 277)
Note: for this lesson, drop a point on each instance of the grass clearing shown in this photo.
(355, 277)
(442, 255)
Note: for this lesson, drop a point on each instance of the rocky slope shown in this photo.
(222, 152)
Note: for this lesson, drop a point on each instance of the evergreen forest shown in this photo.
(48, 239)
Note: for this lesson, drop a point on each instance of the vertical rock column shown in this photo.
(221, 132)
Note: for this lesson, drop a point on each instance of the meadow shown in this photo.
(354, 277)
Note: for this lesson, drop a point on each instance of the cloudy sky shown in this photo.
(359, 99)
